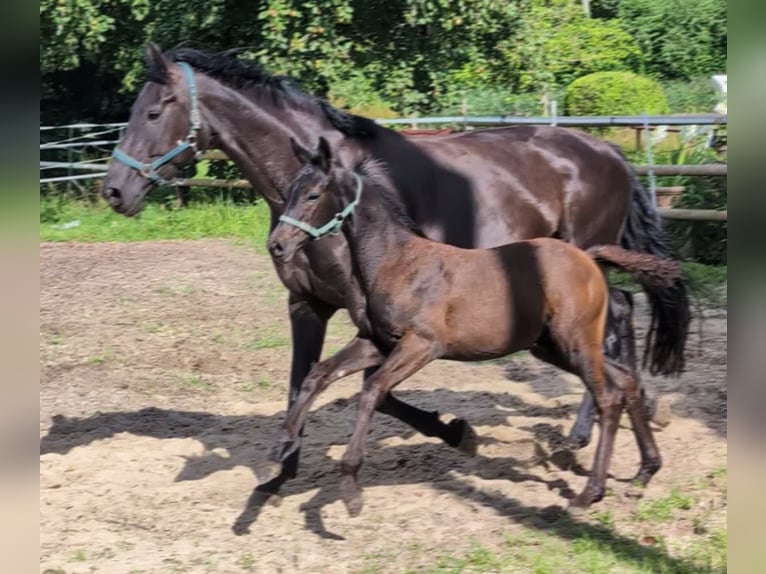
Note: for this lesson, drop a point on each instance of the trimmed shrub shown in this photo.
(614, 93)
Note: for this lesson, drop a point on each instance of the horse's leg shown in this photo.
(457, 434)
(308, 324)
(355, 356)
(410, 355)
(620, 346)
(651, 460)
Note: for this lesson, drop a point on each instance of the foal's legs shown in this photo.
(410, 355)
(357, 355)
(620, 346)
(609, 401)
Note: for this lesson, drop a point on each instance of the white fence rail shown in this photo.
(81, 139)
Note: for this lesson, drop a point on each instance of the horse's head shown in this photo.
(164, 133)
(320, 198)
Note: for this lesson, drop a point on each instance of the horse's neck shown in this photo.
(375, 234)
(255, 135)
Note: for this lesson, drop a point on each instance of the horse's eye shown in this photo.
(153, 114)
(313, 196)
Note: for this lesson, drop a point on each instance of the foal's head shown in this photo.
(320, 199)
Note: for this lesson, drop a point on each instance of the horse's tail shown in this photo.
(651, 270)
(669, 325)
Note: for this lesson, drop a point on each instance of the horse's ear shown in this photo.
(303, 155)
(324, 155)
(157, 62)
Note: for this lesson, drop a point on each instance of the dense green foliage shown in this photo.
(385, 58)
(615, 93)
(377, 56)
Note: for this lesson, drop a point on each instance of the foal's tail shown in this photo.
(650, 270)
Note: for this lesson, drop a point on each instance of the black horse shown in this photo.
(474, 189)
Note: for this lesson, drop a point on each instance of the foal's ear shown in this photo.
(303, 155)
(157, 61)
(324, 155)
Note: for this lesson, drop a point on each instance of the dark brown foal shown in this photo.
(424, 300)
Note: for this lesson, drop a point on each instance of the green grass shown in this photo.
(246, 561)
(267, 340)
(663, 509)
(585, 549)
(195, 221)
(195, 382)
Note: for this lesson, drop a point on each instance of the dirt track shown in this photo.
(163, 377)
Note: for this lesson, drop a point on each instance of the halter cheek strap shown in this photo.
(333, 226)
(149, 170)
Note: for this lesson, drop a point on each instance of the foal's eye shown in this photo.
(153, 114)
(313, 196)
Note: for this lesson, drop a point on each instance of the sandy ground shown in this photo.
(163, 379)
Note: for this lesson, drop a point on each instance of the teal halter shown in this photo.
(333, 226)
(149, 170)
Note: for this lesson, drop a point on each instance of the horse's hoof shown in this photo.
(351, 495)
(578, 505)
(354, 506)
(634, 490)
(469, 440)
(659, 411)
(575, 442)
(645, 474)
(267, 471)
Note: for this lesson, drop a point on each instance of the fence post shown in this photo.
(650, 162)
(69, 160)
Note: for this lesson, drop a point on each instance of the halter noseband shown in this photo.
(149, 170)
(333, 226)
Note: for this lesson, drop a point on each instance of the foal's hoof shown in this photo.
(267, 471)
(469, 440)
(351, 495)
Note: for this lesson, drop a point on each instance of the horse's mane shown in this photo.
(242, 75)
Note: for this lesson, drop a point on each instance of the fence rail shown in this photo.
(714, 121)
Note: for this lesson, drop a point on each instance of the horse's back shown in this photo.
(530, 181)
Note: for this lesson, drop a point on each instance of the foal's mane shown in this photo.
(242, 75)
(374, 174)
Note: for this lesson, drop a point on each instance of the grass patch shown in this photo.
(662, 509)
(101, 359)
(246, 561)
(195, 382)
(93, 223)
(580, 549)
(267, 340)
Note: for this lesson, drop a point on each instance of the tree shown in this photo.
(557, 42)
(678, 38)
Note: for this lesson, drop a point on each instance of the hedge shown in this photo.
(614, 93)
